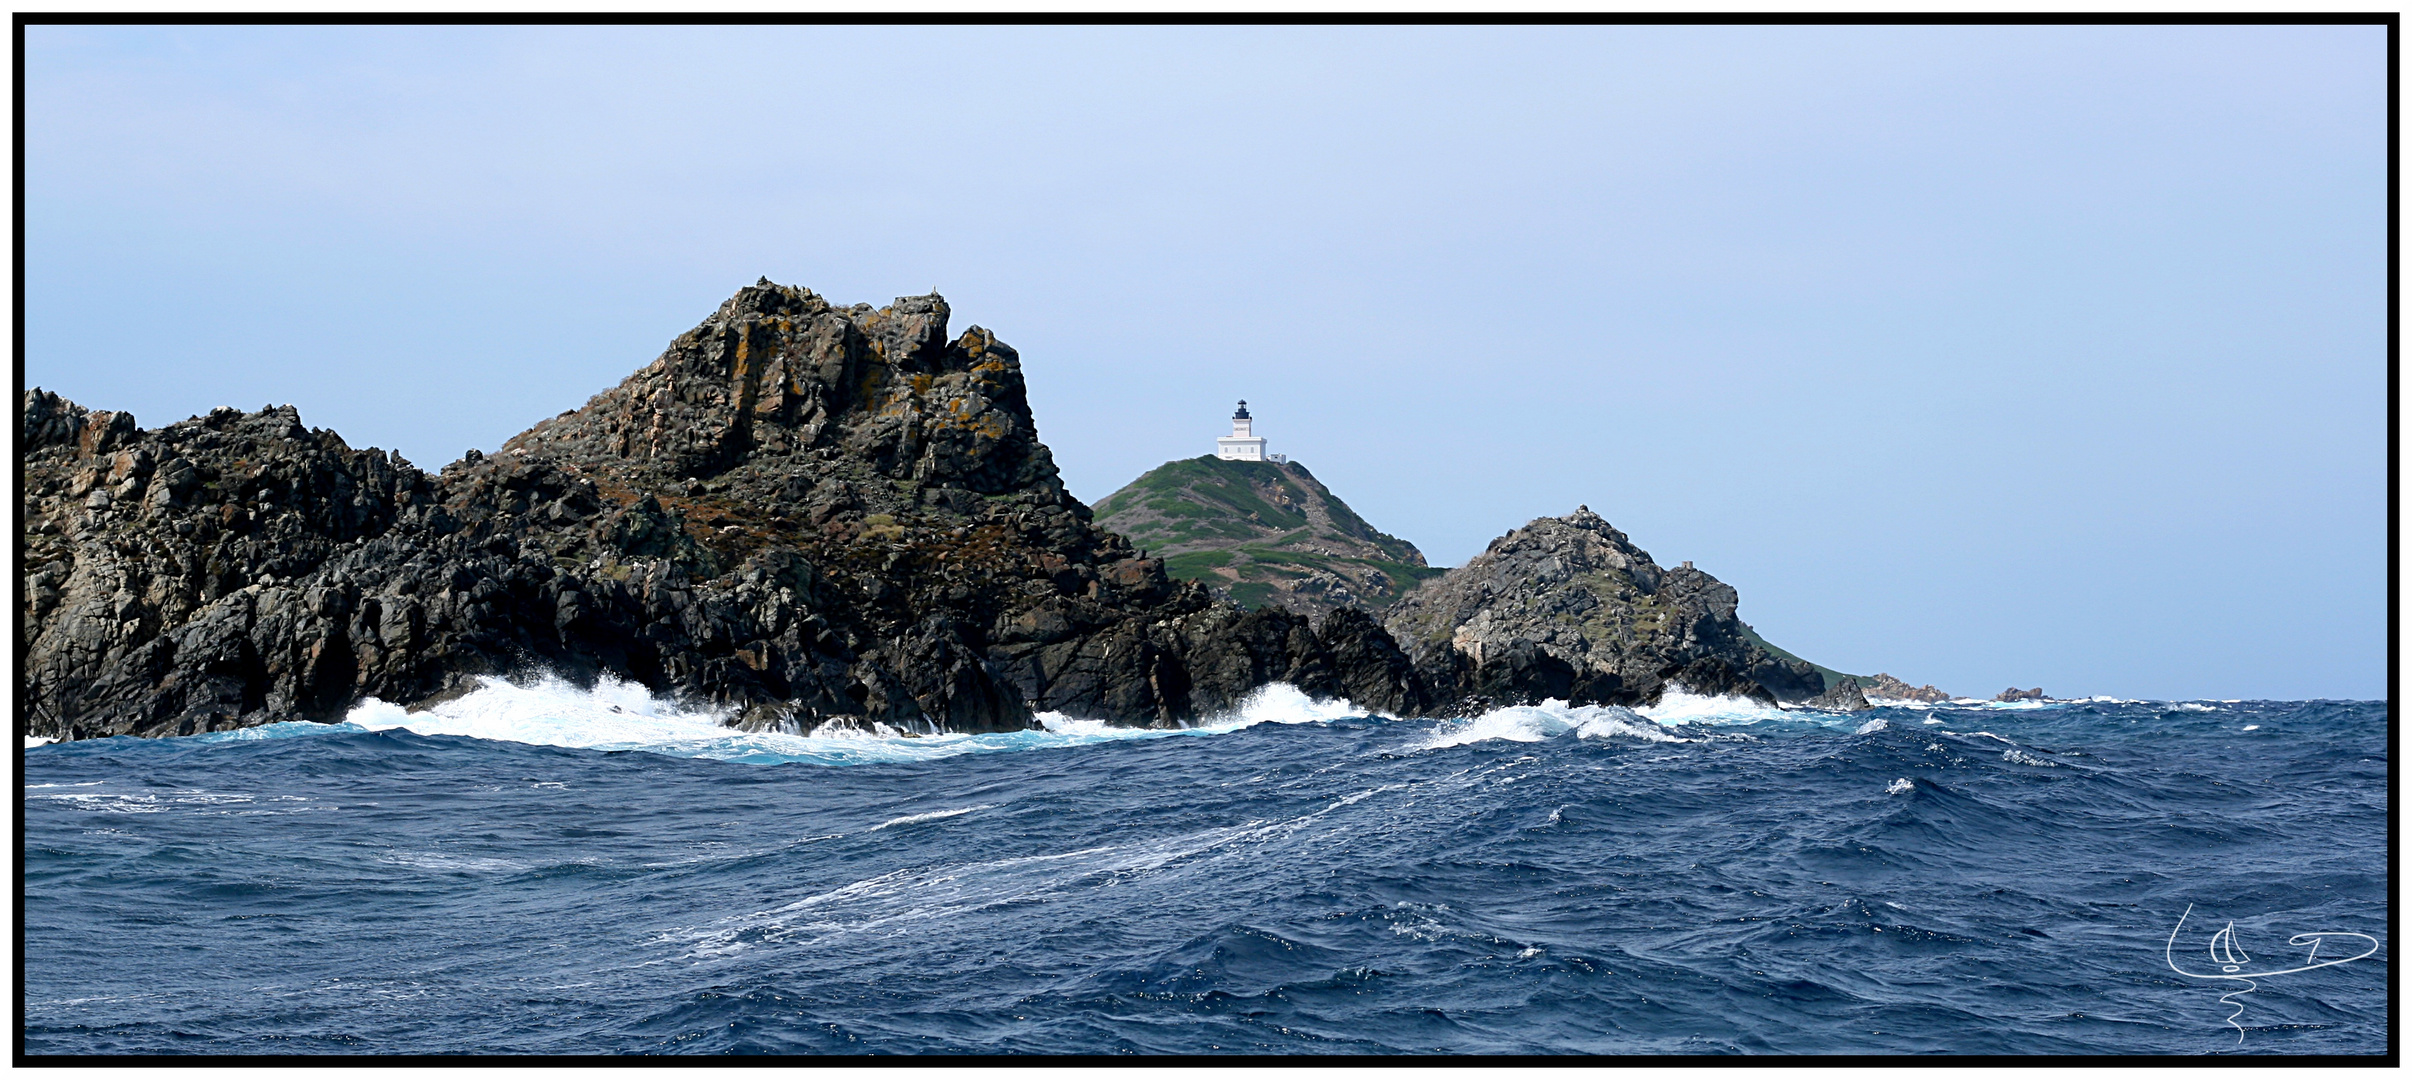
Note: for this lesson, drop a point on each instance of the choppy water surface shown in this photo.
(547, 870)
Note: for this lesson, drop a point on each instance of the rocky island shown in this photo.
(801, 512)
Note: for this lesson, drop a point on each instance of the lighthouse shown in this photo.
(1240, 445)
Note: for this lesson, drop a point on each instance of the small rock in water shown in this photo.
(1843, 696)
(1886, 686)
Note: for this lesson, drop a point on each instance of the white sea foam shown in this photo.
(2252, 727)
(1680, 706)
(934, 815)
(2193, 706)
(2020, 757)
(1551, 718)
(1282, 703)
(552, 712)
(900, 902)
(283, 729)
(1872, 727)
(616, 715)
(186, 800)
(1900, 787)
(32, 741)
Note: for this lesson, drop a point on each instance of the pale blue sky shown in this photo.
(1978, 355)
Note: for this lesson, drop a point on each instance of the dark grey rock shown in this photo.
(1568, 608)
(1843, 696)
(1891, 689)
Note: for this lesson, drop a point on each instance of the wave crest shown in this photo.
(618, 715)
(1680, 706)
(1533, 723)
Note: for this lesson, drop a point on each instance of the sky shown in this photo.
(1982, 356)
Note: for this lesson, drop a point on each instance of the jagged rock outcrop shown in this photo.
(801, 511)
(2016, 694)
(1842, 695)
(1891, 689)
(1569, 608)
(1263, 532)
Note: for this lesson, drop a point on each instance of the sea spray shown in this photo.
(616, 715)
(1551, 718)
(1680, 706)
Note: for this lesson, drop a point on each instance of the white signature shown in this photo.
(2232, 960)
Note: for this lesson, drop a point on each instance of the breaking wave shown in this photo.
(615, 715)
(934, 815)
(1533, 723)
(618, 715)
(1680, 706)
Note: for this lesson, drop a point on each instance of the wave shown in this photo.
(617, 715)
(1533, 723)
(1680, 706)
(934, 815)
(610, 715)
(1282, 703)
(614, 715)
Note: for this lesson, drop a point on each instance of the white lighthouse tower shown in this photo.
(1240, 445)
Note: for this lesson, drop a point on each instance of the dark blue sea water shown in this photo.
(1713, 879)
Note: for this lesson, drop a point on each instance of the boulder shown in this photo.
(1843, 696)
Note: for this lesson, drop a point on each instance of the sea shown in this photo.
(541, 868)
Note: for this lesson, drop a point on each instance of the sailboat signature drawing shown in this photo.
(2229, 956)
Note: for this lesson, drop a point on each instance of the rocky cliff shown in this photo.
(1569, 608)
(1263, 533)
(801, 511)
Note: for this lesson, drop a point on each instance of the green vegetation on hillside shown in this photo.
(1831, 676)
(1263, 532)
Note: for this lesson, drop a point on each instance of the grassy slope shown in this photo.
(1832, 676)
(1247, 526)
